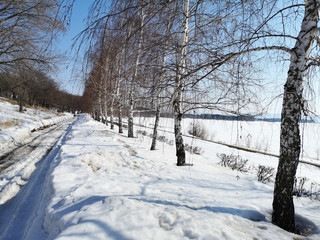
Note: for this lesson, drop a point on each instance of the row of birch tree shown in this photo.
(144, 55)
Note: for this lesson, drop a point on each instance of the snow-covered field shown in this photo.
(258, 135)
(97, 184)
(16, 128)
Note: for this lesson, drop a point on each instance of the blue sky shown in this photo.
(74, 84)
(68, 81)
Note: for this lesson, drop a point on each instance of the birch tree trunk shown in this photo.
(115, 94)
(179, 83)
(105, 107)
(111, 112)
(158, 109)
(100, 103)
(120, 115)
(130, 112)
(134, 77)
(156, 123)
(290, 143)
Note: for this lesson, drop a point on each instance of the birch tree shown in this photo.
(135, 74)
(264, 35)
(293, 104)
(212, 45)
(179, 85)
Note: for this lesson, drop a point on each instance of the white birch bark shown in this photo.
(290, 143)
(116, 95)
(134, 77)
(156, 123)
(120, 115)
(159, 89)
(117, 98)
(179, 83)
(100, 102)
(111, 111)
(105, 107)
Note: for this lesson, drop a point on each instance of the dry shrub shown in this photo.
(298, 187)
(234, 162)
(197, 129)
(193, 149)
(265, 173)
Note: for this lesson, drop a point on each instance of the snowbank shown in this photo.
(106, 186)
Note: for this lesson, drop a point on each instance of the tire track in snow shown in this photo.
(25, 149)
(22, 216)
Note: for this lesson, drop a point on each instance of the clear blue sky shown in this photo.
(68, 81)
(74, 84)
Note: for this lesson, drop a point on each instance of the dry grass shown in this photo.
(47, 110)
(56, 113)
(39, 108)
(13, 102)
(8, 124)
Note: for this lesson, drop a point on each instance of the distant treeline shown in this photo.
(36, 88)
(241, 118)
(244, 117)
(222, 117)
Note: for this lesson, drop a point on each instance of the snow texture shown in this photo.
(98, 184)
(28, 121)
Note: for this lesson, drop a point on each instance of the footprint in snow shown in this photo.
(167, 220)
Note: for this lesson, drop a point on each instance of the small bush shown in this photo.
(196, 150)
(298, 187)
(162, 139)
(193, 150)
(234, 162)
(315, 191)
(265, 173)
(198, 130)
(187, 147)
(144, 133)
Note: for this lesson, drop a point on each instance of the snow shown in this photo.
(258, 135)
(29, 120)
(12, 178)
(99, 184)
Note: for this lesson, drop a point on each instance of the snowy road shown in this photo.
(22, 210)
(30, 145)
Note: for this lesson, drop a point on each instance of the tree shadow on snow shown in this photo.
(252, 215)
(78, 205)
(109, 231)
(305, 227)
(106, 229)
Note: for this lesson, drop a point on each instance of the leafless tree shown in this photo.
(261, 21)
(211, 50)
(26, 30)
